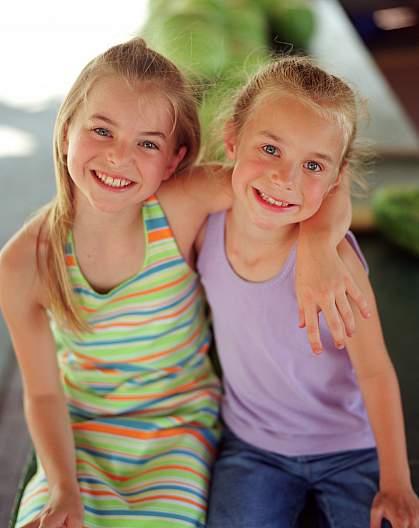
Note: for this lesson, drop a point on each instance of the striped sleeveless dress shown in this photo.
(142, 394)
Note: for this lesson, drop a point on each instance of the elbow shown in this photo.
(384, 376)
(41, 399)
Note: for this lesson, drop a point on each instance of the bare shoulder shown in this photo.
(20, 259)
(187, 200)
(24, 306)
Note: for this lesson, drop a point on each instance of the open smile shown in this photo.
(273, 203)
(114, 183)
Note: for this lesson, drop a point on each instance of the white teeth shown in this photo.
(272, 201)
(112, 182)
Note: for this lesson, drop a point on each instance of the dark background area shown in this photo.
(396, 51)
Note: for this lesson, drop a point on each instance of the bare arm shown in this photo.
(377, 379)
(44, 402)
(323, 281)
(189, 198)
(205, 189)
(334, 217)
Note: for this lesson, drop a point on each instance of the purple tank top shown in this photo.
(277, 395)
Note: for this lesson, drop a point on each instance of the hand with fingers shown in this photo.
(399, 507)
(64, 510)
(323, 283)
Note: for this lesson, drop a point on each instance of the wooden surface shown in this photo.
(14, 439)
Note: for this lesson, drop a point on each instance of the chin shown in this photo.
(108, 207)
(267, 224)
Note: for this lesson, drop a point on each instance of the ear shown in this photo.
(230, 140)
(341, 172)
(177, 158)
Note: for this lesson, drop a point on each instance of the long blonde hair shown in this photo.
(132, 61)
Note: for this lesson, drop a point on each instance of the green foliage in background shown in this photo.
(396, 212)
(219, 43)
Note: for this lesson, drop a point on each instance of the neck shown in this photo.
(256, 253)
(257, 241)
(99, 224)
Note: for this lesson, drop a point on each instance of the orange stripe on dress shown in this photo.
(120, 478)
(131, 433)
(33, 494)
(179, 390)
(177, 466)
(134, 486)
(153, 319)
(70, 260)
(159, 234)
(111, 476)
(155, 355)
(148, 498)
(86, 309)
(167, 497)
(152, 290)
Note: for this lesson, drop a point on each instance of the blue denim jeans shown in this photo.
(254, 488)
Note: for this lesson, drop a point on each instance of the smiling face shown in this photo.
(287, 157)
(120, 145)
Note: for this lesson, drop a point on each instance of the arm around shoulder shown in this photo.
(323, 282)
(205, 189)
(333, 219)
(189, 198)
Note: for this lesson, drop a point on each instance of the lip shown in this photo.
(108, 187)
(273, 207)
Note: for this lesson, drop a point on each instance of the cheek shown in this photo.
(314, 190)
(76, 147)
(245, 172)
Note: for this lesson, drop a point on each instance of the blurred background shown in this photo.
(373, 44)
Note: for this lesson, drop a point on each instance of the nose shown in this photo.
(119, 153)
(284, 176)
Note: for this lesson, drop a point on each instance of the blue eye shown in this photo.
(312, 166)
(149, 145)
(271, 150)
(100, 131)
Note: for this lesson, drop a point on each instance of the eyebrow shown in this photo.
(113, 123)
(277, 139)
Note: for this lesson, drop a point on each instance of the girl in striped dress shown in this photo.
(106, 312)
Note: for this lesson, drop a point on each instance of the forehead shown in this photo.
(136, 102)
(295, 120)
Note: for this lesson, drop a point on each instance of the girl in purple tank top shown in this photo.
(330, 425)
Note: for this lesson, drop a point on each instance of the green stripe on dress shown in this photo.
(141, 392)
